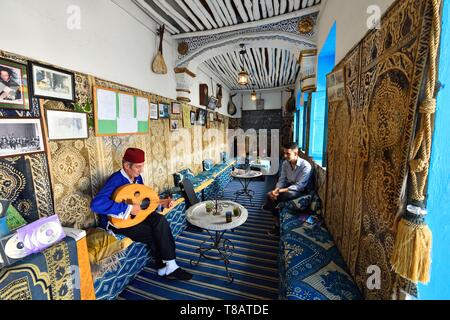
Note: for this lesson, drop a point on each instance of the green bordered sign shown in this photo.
(120, 113)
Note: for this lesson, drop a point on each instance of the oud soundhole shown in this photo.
(145, 204)
(137, 194)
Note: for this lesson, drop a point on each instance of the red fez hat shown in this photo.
(134, 155)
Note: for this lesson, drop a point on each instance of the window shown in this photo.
(319, 105)
(300, 120)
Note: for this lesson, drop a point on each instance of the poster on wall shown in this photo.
(20, 136)
(154, 111)
(174, 124)
(66, 125)
(336, 86)
(52, 83)
(164, 111)
(193, 118)
(13, 85)
(176, 108)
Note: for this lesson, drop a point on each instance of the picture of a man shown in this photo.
(10, 89)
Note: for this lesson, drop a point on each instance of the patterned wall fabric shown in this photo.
(46, 275)
(369, 140)
(78, 168)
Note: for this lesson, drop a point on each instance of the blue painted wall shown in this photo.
(439, 180)
(326, 63)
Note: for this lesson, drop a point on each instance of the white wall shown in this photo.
(351, 22)
(116, 42)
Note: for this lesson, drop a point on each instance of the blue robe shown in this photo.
(104, 206)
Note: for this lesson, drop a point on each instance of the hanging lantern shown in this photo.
(243, 78)
(254, 97)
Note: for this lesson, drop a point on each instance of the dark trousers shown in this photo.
(271, 205)
(155, 232)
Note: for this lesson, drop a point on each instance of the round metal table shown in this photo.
(245, 178)
(217, 247)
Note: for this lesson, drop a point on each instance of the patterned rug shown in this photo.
(253, 263)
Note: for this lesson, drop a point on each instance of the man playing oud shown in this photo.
(154, 231)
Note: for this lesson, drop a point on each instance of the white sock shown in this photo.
(171, 266)
(162, 271)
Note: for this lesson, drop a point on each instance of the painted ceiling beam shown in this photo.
(257, 66)
(144, 6)
(191, 15)
(263, 89)
(271, 64)
(206, 13)
(221, 5)
(254, 69)
(222, 71)
(269, 6)
(182, 22)
(231, 11)
(216, 14)
(291, 6)
(276, 7)
(192, 4)
(251, 24)
(214, 70)
(262, 3)
(241, 10)
(249, 7)
(256, 12)
(223, 12)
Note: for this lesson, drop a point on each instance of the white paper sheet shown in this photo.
(126, 109)
(127, 125)
(142, 109)
(106, 105)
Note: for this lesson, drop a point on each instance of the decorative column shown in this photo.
(308, 66)
(184, 79)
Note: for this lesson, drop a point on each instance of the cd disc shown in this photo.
(48, 233)
(27, 242)
(14, 248)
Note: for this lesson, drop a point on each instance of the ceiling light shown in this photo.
(243, 77)
(254, 97)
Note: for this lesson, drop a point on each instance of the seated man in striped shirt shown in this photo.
(292, 184)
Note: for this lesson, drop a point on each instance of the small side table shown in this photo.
(245, 178)
(216, 226)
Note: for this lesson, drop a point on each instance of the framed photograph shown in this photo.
(66, 125)
(174, 124)
(52, 83)
(212, 117)
(154, 111)
(212, 103)
(20, 136)
(14, 92)
(201, 117)
(176, 108)
(164, 111)
(336, 85)
(193, 118)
